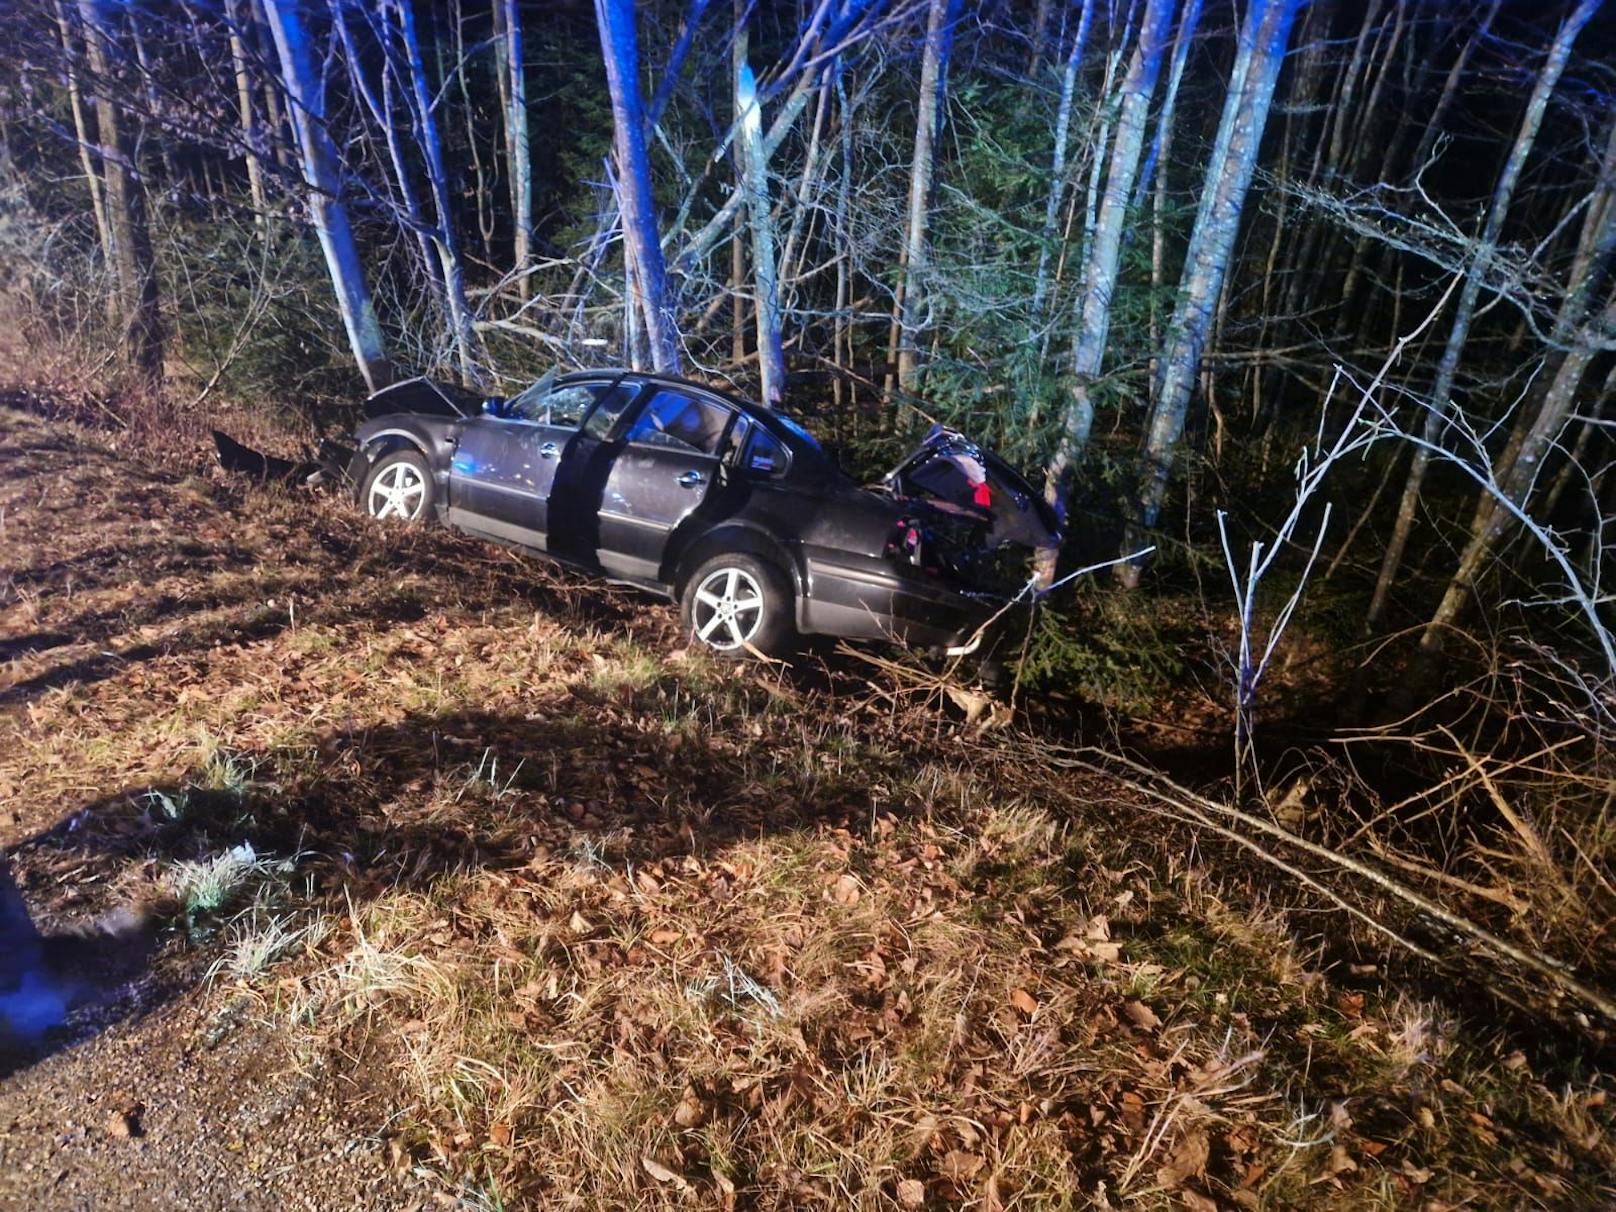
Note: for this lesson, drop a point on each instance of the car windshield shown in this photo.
(518, 404)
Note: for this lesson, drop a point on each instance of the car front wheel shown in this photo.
(735, 604)
(398, 486)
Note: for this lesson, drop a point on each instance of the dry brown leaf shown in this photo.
(499, 1134)
(911, 1193)
(662, 1174)
(1140, 1015)
(959, 1166)
(846, 891)
(1196, 1202)
(663, 937)
(1187, 1160)
(1024, 1002)
(691, 1111)
(726, 1189)
(1133, 1110)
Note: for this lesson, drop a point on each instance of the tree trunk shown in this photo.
(485, 211)
(126, 208)
(1039, 39)
(1153, 177)
(939, 37)
(443, 237)
(238, 26)
(1057, 168)
(520, 157)
(1516, 469)
(1464, 308)
(382, 113)
(1100, 277)
(754, 185)
(641, 242)
(81, 128)
(275, 124)
(1263, 39)
(841, 331)
(322, 175)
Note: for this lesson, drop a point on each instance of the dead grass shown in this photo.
(630, 928)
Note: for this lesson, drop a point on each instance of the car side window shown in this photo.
(603, 419)
(564, 407)
(765, 455)
(680, 421)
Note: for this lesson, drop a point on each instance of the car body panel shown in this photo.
(503, 469)
(616, 495)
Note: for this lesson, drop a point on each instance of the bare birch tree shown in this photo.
(1101, 273)
(81, 128)
(521, 160)
(642, 241)
(754, 188)
(425, 122)
(322, 177)
(126, 202)
(1476, 275)
(908, 308)
(239, 24)
(1263, 39)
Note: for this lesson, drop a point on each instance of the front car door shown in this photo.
(505, 464)
(667, 464)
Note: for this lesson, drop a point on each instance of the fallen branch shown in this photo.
(1172, 799)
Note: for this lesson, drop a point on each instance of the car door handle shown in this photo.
(548, 450)
(690, 479)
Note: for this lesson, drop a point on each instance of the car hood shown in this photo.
(951, 472)
(425, 397)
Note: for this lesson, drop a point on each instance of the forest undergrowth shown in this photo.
(625, 926)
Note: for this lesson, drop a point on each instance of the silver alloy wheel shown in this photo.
(398, 492)
(728, 609)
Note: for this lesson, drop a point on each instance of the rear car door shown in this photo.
(505, 463)
(665, 468)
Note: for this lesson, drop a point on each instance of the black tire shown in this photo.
(737, 580)
(399, 485)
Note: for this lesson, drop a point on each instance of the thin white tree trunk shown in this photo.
(1100, 276)
(642, 244)
(1263, 40)
(939, 23)
(381, 112)
(1486, 246)
(520, 155)
(1057, 168)
(754, 185)
(1582, 325)
(322, 176)
(443, 237)
(81, 128)
(126, 207)
(238, 25)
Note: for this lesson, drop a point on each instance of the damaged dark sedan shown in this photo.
(731, 509)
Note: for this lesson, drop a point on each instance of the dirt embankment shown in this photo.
(467, 882)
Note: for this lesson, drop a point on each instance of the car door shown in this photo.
(505, 463)
(666, 465)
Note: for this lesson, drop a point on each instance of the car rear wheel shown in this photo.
(398, 486)
(734, 604)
